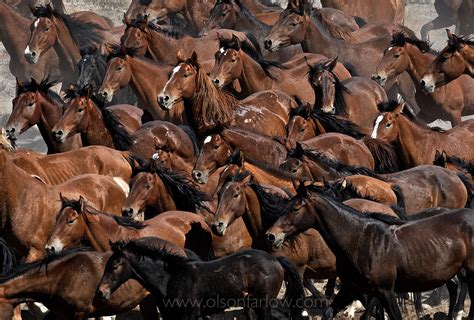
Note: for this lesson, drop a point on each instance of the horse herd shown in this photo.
(203, 155)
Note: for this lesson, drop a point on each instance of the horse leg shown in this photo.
(368, 310)
(389, 302)
(459, 308)
(453, 293)
(148, 308)
(438, 23)
(455, 117)
(343, 298)
(470, 286)
(317, 296)
(330, 286)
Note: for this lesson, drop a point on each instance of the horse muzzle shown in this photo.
(381, 80)
(103, 294)
(200, 176)
(31, 56)
(11, 133)
(271, 45)
(275, 241)
(59, 136)
(165, 102)
(427, 84)
(219, 228)
(106, 96)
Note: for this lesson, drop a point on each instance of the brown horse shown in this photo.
(455, 164)
(355, 99)
(447, 11)
(58, 168)
(155, 189)
(36, 104)
(398, 256)
(399, 127)
(465, 13)
(330, 155)
(66, 35)
(412, 55)
(456, 59)
(14, 34)
(85, 114)
(242, 197)
(43, 281)
(77, 221)
(42, 201)
(265, 112)
(146, 77)
(239, 61)
(389, 11)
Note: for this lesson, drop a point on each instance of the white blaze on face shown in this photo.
(208, 139)
(376, 127)
(36, 23)
(175, 70)
(222, 50)
(155, 156)
(27, 50)
(389, 48)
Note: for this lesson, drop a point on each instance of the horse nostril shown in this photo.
(11, 130)
(33, 53)
(216, 81)
(127, 212)
(423, 83)
(270, 237)
(198, 174)
(268, 43)
(376, 77)
(220, 224)
(58, 134)
(166, 98)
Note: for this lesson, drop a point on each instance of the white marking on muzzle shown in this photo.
(123, 185)
(376, 127)
(36, 23)
(57, 245)
(27, 50)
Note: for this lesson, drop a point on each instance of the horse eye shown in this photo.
(388, 125)
(46, 29)
(396, 55)
(119, 68)
(216, 147)
(71, 221)
(223, 14)
(30, 104)
(233, 60)
(148, 186)
(80, 110)
(236, 195)
(302, 129)
(294, 24)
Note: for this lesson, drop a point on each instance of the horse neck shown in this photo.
(419, 63)
(248, 22)
(253, 215)
(163, 48)
(179, 164)
(50, 115)
(38, 284)
(142, 86)
(253, 78)
(317, 40)
(67, 50)
(408, 136)
(96, 132)
(337, 225)
(101, 229)
(469, 61)
(13, 34)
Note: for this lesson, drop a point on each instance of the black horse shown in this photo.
(380, 255)
(188, 289)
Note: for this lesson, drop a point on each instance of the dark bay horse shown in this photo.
(259, 206)
(146, 78)
(14, 35)
(227, 279)
(65, 34)
(77, 222)
(42, 201)
(36, 104)
(448, 102)
(399, 127)
(265, 112)
(456, 59)
(98, 125)
(42, 281)
(58, 168)
(395, 266)
(447, 11)
(355, 99)
(155, 189)
(242, 62)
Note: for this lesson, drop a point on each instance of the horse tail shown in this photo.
(385, 157)
(294, 294)
(417, 303)
(7, 256)
(468, 186)
(400, 198)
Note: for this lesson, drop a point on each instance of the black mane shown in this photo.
(272, 205)
(120, 137)
(182, 188)
(44, 86)
(400, 38)
(119, 51)
(82, 33)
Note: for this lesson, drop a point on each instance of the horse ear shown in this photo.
(34, 84)
(450, 35)
(399, 109)
(194, 58)
(180, 56)
(299, 149)
(82, 204)
(248, 179)
(293, 4)
(236, 42)
(61, 197)
(308, 64)
(156, 143)
(302, 189)
(49, 10)
(331, 64)
(126, 20)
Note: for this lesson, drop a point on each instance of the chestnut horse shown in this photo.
(266, 112)
(14, 34)
(146, 78)
(372, 268)
(65, 34)
(155, 189)
(448, 102)
(388, 11)
(85, 114)
(36, 104)
(42, 201)
(399, 127)
(58, 168)
(355, 99)
(456, 59)
(77, 221)
(43, 281)
(242, 62)
(330, 155)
